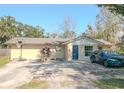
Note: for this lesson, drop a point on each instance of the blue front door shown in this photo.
(75, 52)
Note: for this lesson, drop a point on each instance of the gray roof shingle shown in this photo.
(37, 41)
(104, 42)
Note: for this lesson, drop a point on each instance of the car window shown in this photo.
(112, 53)
(103, 55)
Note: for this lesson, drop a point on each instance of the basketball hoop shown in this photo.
(19, 43)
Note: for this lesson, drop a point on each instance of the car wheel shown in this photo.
(106, 64)
(92, 58)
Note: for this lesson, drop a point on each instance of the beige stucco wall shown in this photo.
(81, 50)
(68, 51)
(95, 47)
(33, 52)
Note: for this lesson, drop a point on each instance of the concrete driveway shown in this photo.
(15, 74)
(59, 74)
(75, 74)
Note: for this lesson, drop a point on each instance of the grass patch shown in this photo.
(68, 84)
(35, 84)
(110, 83)
(4, 60)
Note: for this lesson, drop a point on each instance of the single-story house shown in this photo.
(68, 49)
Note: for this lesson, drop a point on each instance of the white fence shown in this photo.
(4, 52)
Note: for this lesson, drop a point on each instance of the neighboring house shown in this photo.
(74, 49)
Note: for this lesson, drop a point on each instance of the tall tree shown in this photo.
(53, 35)
(10, 28)
(30, 31)
(7, 28)
(118, 10)
(114, 8)
(19, 29)
(107, 25)
(68, 27)
(90, 31)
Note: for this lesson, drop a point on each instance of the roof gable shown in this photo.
(83, 40)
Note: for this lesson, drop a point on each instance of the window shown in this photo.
(88, 50)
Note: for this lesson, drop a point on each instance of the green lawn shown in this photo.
(35, 84)
(110, 83)
(4, 60)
